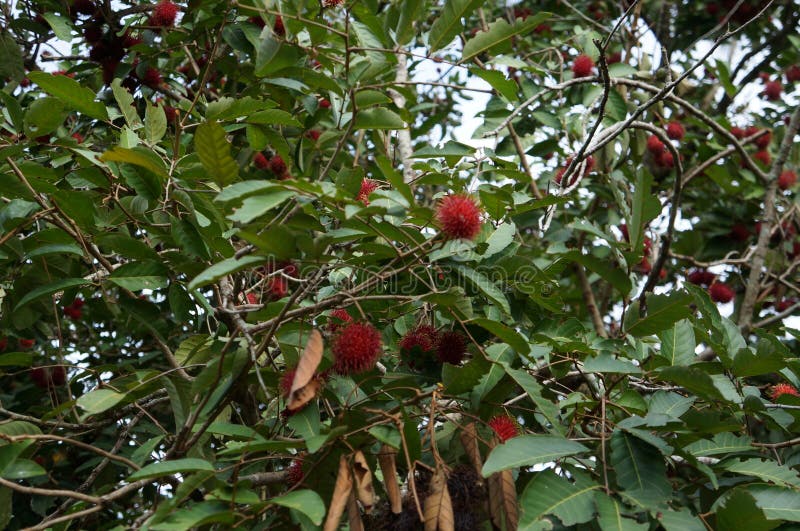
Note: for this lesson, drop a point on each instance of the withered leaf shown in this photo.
(306, 385)
(341, 492)
(363, 478)
(353, 514)
(438, 506)
(503, 500)
(469, 440)
(387, 462)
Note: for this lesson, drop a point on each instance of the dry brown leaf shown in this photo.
(341, 492)
(363, 477)
(353, 514)
(387, 462)
(469, 440)
(305, 385)
(438, 506)
(503, 500)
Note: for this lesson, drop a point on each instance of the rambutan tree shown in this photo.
(399, 265)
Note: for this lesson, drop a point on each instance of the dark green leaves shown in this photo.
(499, 32)
(449, 23)
(378, 118)
(526, 450)
(662, 312)
(215, 153)
(640, 470)
(71, 93)
(44, 116)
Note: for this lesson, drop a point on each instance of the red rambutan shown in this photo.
(277, 287)
(785, 304)
(337, 318)
(665, 159)
(164, 14)
(720, 292)
(787, 179)
(764, 140)
(793, 74)
(772, 90)
(367, 187)
(286, 381)
(418, 345)
(504, 427)
(313, 134)
(356, 348)
(78, 137)
(40, 377)
(261, 161)
(781, 389)
(171, 113)
(701, 277)
(451, 347)
(582, 66)
(324, 103)
(277, 166)
(739, 232)
(763, 157)
(278, 27)
(615, 57)
(258, 21)
(738, 133)
(152, 77)
(25, 344)
(655, 145)
(459, 217)
(58, 375)
(675, 131)
(252, 298)
(294, 472)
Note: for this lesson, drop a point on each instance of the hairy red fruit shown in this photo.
(277, 166)
(313, 134)
(367, 187)
(418, 345)
(261, 161)
(582, 66)
(772, 90)
(25, 82)
(615, 57)
(277, 287)
(655, 145)
(252, 298)
(324, 103)
(665, 159)
(294, 472)
(356, 348)
(522, 12)
(764, 140)
(25, 344)
(781, 389)
(258, 21)
(573, 179)
(451, 347)
(92, 34)
(171, 114)
(785, 304)
(542, 28)
(152, 78)
(40, 377)
(78, 137)
(720, 292)
(58, 375)
(278, 27)
(3, 343)
(164, 14)
(739, 232)
(738, 133)
(286, 381)
(701, 277)
(459, 217)
(337, 318)
(793, 74)
(504, 427)
(675, 131)
(763, 157)
(787, 179)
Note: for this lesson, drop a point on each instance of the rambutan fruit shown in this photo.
(793, 74)
(286, 381)
(720, 292)
(763, 157)
(278, 27)
(78, 137)
(356, 348)
(324, 103)
(701, 277)
(418, 345)
(787, 179)
(277, 165)
(504, 427)
(261, 161)
(294, 472)
(582, 66)
(164, 14)
(337, 318)
(675, 130)
(772, 90)
(152, 77)
(764, 140)
(655, 145)
(738, 133)
(459, 217)
(25, 344)
(451, 347)
(781, 389)
(367, 187)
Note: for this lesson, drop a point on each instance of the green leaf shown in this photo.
(126, 105)
(611, 518)
(448, 24)
(155, 122)
(662, 312)
(692, 378)
(11, 62)
(507, 88)
(763, 469)
(139, 283)
(61, 26)
(138, 156)
(606, 363)
(99, 400)
(168, 468)
(378, 118)
(449, 149)
(16, 359)
(544, 406)
(49, 289)
(507, 334)
(640, 469)
(740, 511)
(527, 450)
(681, 520)
(645, 207)
(44, 116)
(23, 468)
(369, 97)
(765, 360)
(71, 93)
(678, 343)
(550, 494)
(226, 267)
(722, 443)
(486, 286)
(215, 153)
(777, 503)
(256, 206)
(502, 355)
(499, 32)
(307, 502)
(410, 11)
(273, 117)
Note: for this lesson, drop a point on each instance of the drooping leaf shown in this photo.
(499, 32)
(526, 450)
(71, 93)
(214, 152)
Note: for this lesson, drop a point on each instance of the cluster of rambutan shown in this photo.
(644, 267)
(45, 377)
(274, 164)
(75, 310)
(661, 156)
(762, 142)
(718, 291)
(426, 348)
(574, 177)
